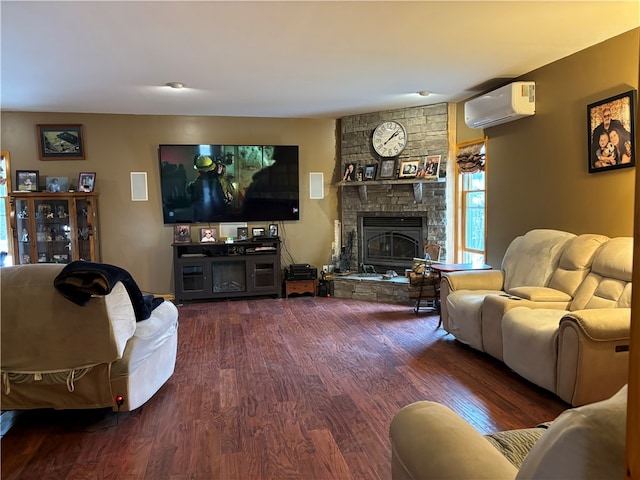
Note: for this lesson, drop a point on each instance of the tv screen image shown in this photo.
(229, 183)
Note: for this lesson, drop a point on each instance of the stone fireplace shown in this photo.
(389, 242)
(396, 226)
(391, 220)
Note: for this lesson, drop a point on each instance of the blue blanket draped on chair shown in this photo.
(79, 280)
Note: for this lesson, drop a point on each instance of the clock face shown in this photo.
(389, 139)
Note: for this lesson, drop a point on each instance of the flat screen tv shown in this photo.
(229, 183)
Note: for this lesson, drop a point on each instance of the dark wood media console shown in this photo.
(226, 270)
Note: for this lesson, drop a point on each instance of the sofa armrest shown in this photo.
(474, 280)
(593, 354)
(430, 441)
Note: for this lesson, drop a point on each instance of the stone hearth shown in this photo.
(371, 287)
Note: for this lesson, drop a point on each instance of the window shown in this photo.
(471, 195)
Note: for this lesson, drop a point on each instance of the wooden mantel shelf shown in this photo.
(416, 182)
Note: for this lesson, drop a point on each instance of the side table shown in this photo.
(299, 286)
(454, 267)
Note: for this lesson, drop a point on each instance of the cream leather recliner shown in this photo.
(57, 354)
(430, 441)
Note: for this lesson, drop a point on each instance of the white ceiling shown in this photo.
(283, 59)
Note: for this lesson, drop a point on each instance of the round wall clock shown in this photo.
(389, 139)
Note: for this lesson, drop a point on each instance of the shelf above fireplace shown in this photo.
(416, 182)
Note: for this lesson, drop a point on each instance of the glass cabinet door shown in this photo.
(53, 231)
(23, 231)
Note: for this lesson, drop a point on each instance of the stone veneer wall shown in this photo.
(427, 132)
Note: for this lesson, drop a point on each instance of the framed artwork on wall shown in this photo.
(60, 142)
(610, 132)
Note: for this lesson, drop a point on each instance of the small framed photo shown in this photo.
(430, 167)
(182, 233)
(87, 182)
(370, 172)
(243, 233)
(257, 232)
(60, 142)
(273, 229)
(387, 168)
(349, 174)
(56, 184)
(208, 235)
(409, 168)
(27, 180)
(611, 132)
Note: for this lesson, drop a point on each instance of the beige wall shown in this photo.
(537, 166)
(131, 233)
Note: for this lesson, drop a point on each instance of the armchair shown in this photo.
(430, 441)
(58, 354)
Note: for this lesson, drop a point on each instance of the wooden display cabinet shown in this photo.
(54, 227)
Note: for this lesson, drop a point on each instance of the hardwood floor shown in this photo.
(298, 388)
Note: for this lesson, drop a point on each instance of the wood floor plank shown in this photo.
(299, 388)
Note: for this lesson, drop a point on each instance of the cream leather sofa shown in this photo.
(557, 312)
(430, 441)
(57, 354)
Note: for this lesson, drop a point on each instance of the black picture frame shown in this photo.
(60, 142)
(273, 230)
(370, 172)
(182, 233)
(387, 169)
(606, 118)
(27, 180)
(257, 232)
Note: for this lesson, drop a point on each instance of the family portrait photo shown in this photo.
(611, 130)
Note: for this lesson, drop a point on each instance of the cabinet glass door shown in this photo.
(264, 275)
(53, 231)
(23, 231)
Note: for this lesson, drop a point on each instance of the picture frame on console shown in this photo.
(182, 233)
(27, 180)
(87, 182)
(611, 132)
(387, 169)
(257, 232)
(273, 230)
(208, 235)
(243, 233)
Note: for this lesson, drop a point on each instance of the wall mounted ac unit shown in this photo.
(508, 103)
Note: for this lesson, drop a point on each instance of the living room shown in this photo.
(537, 167)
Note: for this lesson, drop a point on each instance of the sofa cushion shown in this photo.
(516, 444)
(583, 442)
(532, 258)
(575, 262)
(608, 285)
